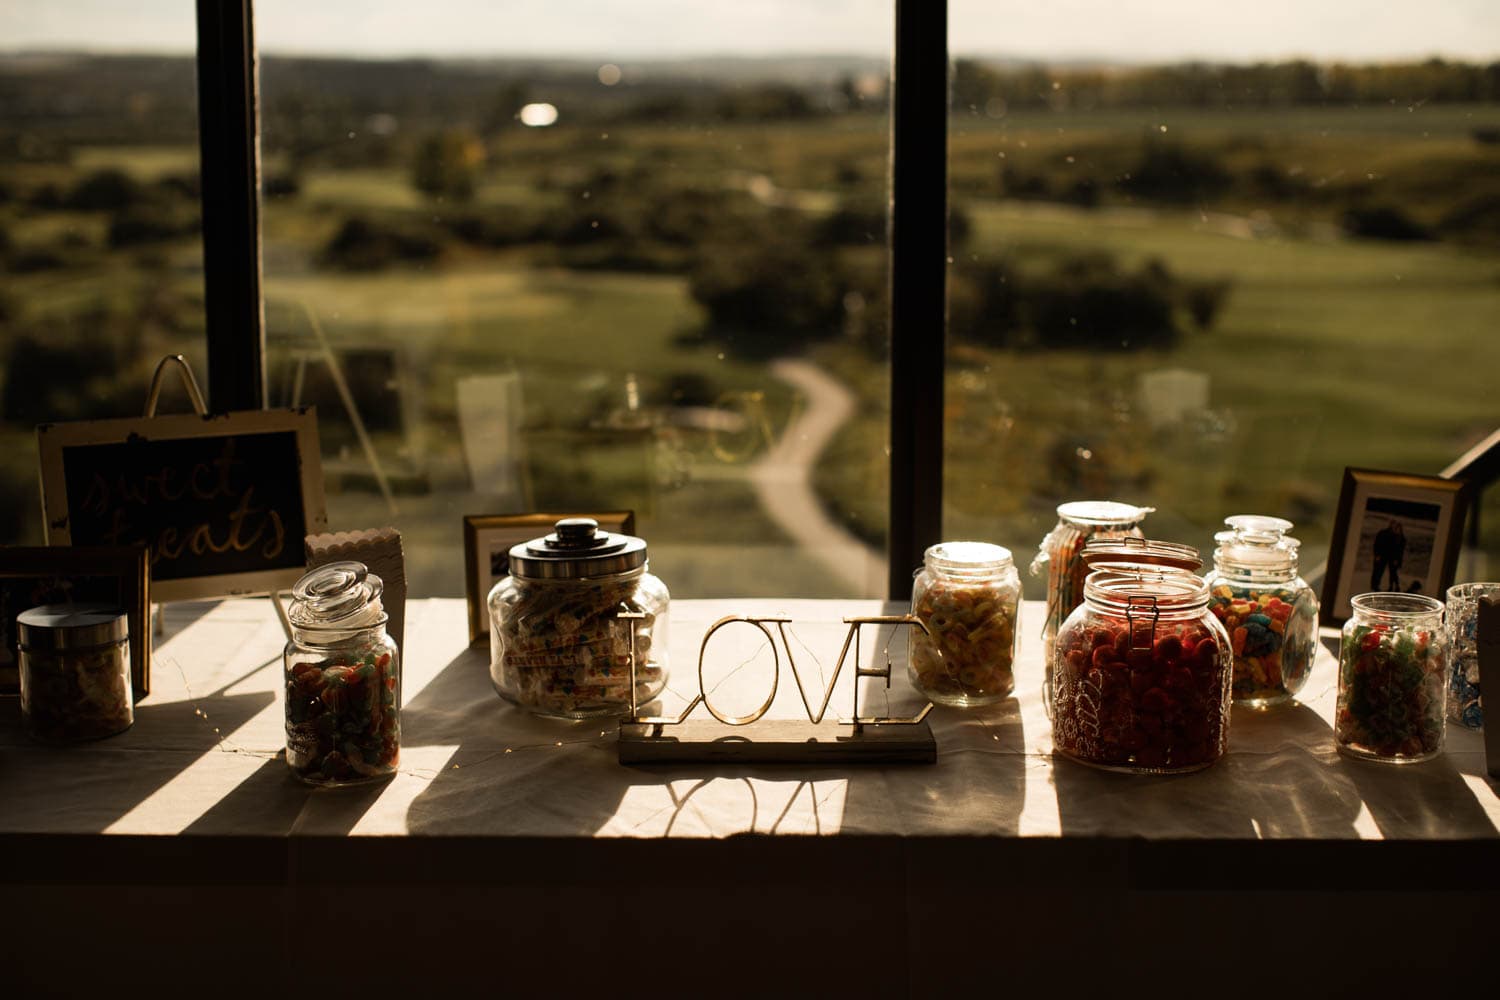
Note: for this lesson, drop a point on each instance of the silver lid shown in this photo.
(54, 627)
(576, 550)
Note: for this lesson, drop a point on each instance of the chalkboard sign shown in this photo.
(222, 502)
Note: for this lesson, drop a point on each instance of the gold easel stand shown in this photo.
(752, 739)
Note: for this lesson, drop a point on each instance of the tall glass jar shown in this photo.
(1270, 612)
(343, 679)
(74, 662)
(968, 594)
(1465, 706)
(1142, 674)
(576, 605)
(1393, 662)
(1060, 557)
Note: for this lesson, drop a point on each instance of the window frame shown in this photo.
(229, 138)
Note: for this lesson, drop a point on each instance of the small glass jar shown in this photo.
(576, 605)
(1270, 612)
(1393, 663)
(74, 662)
(1142, 675)
(968, 594)
(1462, 617)
(343, 679)
(1060, 558)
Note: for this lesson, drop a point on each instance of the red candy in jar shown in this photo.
(1142, 671)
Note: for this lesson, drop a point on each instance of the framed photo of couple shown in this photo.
(1393, 532)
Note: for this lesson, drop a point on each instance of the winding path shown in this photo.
(782, 479)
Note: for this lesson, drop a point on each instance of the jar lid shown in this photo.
(1255, 541)
(1103, 513)
(71, 626)
(1127, 553)
(575, 550)
(968, 557)
(1163, 587)
(339, 595)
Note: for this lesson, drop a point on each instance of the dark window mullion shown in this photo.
(919, 213)
(230, 170)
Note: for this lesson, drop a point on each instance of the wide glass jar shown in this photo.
(1060, 558)
(578, 603)
(1462, 618)
(74, 662)
(1142, 674)
(968, 594)
(1393, 663)
(343, 679)
(1270, 612)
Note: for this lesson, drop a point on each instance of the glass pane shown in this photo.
(1204, 259)
(588, 259)
(99, 223)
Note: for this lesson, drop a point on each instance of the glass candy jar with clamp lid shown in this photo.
(1141, 670)
(1270, 612)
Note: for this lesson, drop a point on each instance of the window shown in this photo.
(99, 228)
(575, 256)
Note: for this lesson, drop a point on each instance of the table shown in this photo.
(508, 846)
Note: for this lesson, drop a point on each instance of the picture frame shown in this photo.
(1394, 531)
(36, 575)
(488, 539)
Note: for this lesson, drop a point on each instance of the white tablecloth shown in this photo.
(202, 757)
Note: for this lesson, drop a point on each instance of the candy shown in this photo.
(1390, 702)
(1464, 704)
(342, 716)
(560, 649)
(1274, 635)
(1161, 703)
(73, 695)
(970, 653)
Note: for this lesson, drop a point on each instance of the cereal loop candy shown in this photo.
(968, 594)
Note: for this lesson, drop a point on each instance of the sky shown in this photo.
(1110, 30)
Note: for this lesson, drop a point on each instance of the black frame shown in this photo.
(228, 92)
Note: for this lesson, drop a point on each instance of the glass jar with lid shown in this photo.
(1141, 673)
(74, 662)
(343, 679)
(1270, 612)
(1060, 558)
(577, 605)
(968, 594)
(1393, 661)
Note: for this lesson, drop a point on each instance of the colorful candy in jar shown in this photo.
(968, 595)
(1270, 612)
(1462, 620)
(1273, 634)
(1392, 662)
(342, 722)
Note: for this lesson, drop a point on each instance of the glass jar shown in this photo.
(575, 606)
(1270, 612)
(1392, 667)
(74, 662)
(343, 679)
(1142, 674)
(968, 594)
(1060, 558)
(1462, 617)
